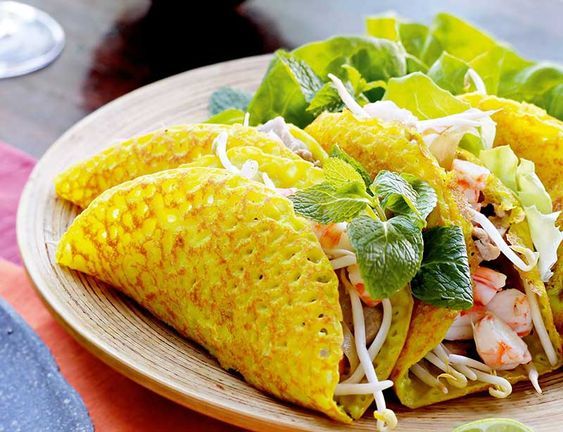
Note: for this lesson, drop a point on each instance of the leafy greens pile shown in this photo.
(386, 218)
(296, 84)
(447, 48)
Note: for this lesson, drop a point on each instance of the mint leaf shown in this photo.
(326, 99)
(339, 172)
(389, 253)
(308, 81)
(337, 152)
(390, 187)
(358, 83)
(424, 203)
(326, 204)
(443, 279)
(228, 97)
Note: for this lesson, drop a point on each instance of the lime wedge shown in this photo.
(494, 425)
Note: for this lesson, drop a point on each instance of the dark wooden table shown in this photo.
(116, 46)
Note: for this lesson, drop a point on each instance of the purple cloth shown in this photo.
(15, 167)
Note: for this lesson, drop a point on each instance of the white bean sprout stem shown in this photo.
(385, 417)
(533, 376)
(539, 325)
(268, 181)
(501, 387)
(219, 146)
(344, 389)
(499, 242)
(343, 261)
(469, 362)
(377, 343)
(427, 378)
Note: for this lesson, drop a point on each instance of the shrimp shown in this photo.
(462, 327)
(332, 236)
(498, 345)
(358, 283)
(488, 282)
(513, 308)
(471, 180)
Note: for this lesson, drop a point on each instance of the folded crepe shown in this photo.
(153, 152)
(378, 146)
(418, 382)
(534, 135)
(143, 237)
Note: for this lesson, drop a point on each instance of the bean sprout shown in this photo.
(385, 417)
(377, 343)
(539, 325)
(344, 389)
(499, 242)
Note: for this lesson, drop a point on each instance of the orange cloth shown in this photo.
(115, 402)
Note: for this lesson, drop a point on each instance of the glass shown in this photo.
(29, 39)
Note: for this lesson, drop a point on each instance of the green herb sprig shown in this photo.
(386, 217)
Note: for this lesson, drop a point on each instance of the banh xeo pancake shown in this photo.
(284, 172)
(256, 305)
(153, 152)
(359, 131)
(411, 391)
(284, 175)
(390, 146)
(534, 135)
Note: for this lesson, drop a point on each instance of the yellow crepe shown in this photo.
(284, 172)
(251, 284)
(153, 152)
(534, 135)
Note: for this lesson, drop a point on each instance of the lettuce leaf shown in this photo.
(417, 93)
(449, 73)
(286, 90)
(519, 175)
(229, 116)
(546, 237)
(293, 79)
(504, 72)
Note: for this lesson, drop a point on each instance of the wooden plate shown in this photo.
(147, 351)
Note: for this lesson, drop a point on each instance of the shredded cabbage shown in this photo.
(389, 111)
(546, 237)
(519, 175)
(347, 98)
